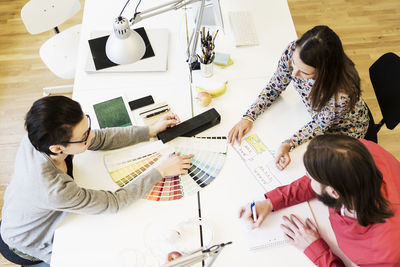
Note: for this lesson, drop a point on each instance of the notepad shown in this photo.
(260, 160)
(269, 234)
(221, 58)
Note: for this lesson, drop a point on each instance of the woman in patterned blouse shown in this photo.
(328, 84)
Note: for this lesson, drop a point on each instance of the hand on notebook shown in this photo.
(263, 209)
(169, 120)
(239, 130)
(301, 235)
(175, 165)
(282, 156)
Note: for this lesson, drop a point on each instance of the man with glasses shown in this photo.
(43, 189)
(86, 135)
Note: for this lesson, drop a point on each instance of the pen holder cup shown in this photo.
(206, 69)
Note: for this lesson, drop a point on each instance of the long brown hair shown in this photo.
(322, 49)
(346, 165)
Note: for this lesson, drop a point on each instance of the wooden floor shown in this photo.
(367, 28)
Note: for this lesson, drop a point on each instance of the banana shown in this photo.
(214, 93)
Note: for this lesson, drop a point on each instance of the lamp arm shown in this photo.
(124, 40)
(198, 256)
(192, 54)
(151, 12)
(174, 5)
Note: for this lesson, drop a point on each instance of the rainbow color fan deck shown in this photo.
(209, 157)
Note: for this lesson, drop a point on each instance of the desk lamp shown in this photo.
(125, 46)
(200, 255)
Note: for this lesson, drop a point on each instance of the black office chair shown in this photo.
(385, 79)
(12, 257)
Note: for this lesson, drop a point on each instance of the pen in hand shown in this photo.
(157, 112)
(253, 211)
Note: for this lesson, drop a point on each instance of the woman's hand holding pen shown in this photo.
(282, 158)
(175, 165)
(169, 120)
(263, 209)
(239, 130)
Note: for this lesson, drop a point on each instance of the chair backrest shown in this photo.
(43, 15)
(385, 78)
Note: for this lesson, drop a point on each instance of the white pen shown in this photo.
(253, 211)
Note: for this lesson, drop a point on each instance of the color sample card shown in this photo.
(260, 160)
(138, 166)
(167, 189)
(124, 165)
(210, 154)
(209, 158)
(112, 113)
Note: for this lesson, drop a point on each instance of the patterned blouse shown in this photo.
(334, 117)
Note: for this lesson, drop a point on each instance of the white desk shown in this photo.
(98, 240)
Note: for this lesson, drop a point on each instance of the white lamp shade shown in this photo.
(124, 46)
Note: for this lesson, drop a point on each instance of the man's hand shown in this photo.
(169, 120)
(263, 209)
(175, 165)
(299, 234)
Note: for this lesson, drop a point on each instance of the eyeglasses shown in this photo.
(84, 140)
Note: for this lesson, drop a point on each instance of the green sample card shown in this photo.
(112, 113)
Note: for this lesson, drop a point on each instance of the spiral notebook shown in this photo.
(269, 234)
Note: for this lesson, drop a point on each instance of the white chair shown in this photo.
(60, 52)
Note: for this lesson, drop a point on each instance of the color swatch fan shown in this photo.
(126, 164)
(209, 157)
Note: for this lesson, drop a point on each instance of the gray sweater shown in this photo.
(40, 195)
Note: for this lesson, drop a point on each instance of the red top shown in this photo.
(373, 245)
